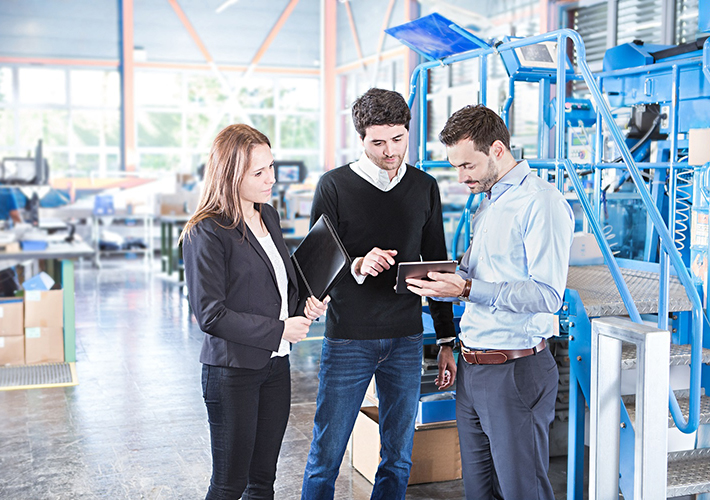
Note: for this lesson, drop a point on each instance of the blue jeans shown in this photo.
(346, 368)
(248, 411)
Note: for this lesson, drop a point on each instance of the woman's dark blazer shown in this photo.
(233, 292)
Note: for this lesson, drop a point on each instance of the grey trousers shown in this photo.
(504, 413)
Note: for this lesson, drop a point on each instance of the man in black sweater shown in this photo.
(385, 212)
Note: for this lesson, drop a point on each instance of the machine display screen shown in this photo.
(288, 173)
(19, 170)
(541, 55)
(537, 53)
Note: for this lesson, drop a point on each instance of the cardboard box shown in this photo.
(12, 350)
(44, 309)
(439, 410)
(11, 318)
(44, 345)
(698, 146)
(435, 457)
(11, 247)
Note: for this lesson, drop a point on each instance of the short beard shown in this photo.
(383, 165)
(491, 177)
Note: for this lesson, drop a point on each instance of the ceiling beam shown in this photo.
(356, 38)
(191, 31)
(273, 33)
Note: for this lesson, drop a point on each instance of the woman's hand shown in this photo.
(315, 308)
(296, 329)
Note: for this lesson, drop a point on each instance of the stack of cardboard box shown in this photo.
(436, 454)
(12, 334)
(32, 329)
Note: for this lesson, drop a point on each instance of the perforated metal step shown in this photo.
(600, 297)
(688, 473)
(683, 402)
(679, 355)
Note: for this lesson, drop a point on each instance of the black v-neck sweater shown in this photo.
(407, 219)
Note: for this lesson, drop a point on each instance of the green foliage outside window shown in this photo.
(159, 162)
(202, 129)
(87, 128)
(205, 90)
(159, 129)
(7, 133)
(256, 94)
(58, 162)
(5, 85)
(299, 132)
(86, 164)
(266, 124)
(52, 126)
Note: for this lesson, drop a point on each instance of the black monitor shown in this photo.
(290, 172)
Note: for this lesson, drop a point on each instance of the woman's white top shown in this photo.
(282, 280)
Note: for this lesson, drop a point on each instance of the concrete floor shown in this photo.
(136, 427)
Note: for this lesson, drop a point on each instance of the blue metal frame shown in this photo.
(670, 261)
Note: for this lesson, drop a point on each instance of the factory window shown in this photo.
(158, 89)
(86, 128)
(7, 132)
(73, 111)
(299, 94)
(257, 93)
(299, 132)
(5, 86)
(197, 126)
(95, 88)
(205, 90)
(687, 21)
(159, 129)
(590, 22)
(85, 164)
(266, 124)
(76, 112)
(43, 86)
(52, 125)
(159, 162)
(639, 20)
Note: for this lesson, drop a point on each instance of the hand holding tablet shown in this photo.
(419, 270)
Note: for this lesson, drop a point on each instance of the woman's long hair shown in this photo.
(229, 160)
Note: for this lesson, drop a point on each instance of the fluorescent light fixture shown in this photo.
(224, 5)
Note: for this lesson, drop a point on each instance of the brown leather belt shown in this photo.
(498, 356)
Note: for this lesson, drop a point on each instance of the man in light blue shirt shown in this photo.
(512, 279)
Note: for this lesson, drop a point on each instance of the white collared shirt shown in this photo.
(375, 175)
(379, 178)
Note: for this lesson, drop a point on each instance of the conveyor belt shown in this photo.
(600, 297)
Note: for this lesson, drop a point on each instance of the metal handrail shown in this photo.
(603, 110)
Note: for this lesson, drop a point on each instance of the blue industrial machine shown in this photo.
(638, 191)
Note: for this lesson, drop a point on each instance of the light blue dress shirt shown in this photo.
(518, 260)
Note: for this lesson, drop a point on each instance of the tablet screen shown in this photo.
(419, 270)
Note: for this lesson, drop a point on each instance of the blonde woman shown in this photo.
(242, 289)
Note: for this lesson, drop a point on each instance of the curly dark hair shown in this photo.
(380, 107)
(478, 124)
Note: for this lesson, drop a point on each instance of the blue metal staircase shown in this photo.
(664, 291)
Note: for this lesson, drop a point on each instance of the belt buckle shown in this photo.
(469, 352)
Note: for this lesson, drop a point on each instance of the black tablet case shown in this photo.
(320, 261)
